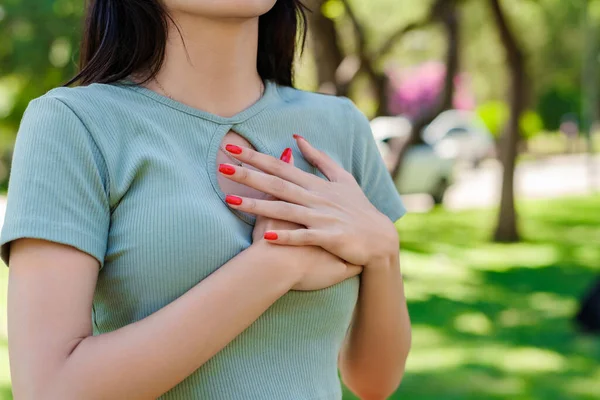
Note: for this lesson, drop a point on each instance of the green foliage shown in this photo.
(494, 115)
(37, 51)
(557, 101)
(530, 124)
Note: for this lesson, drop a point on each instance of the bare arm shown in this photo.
(54, 356)
(341, 219)
(374, 355)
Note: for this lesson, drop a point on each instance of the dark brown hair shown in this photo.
(125, 37)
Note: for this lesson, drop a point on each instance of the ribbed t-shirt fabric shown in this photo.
(130, 177)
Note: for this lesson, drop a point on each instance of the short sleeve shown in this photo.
(369, 168)
(58, 180)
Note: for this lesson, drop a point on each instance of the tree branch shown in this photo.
(391, 41)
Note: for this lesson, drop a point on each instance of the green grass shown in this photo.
(493, 321)
(490, 321)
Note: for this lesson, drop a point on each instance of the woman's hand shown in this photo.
(318, 268)
(336, 214)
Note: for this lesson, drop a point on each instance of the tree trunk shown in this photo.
(446, 11)
(506, 230)
(328, 55)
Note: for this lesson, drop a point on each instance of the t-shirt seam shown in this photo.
(95, 143)
(349, 111)
(216, 122)
(73, 228)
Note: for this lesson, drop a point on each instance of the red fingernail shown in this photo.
(286, 156)
(226, 169)
(233, 200)
(270, 236)
(233, 149)
(297, 136)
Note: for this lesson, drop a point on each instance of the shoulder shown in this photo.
(62, 116)
(82, 109)
(336, 109)
(318, 102)
(84, 99)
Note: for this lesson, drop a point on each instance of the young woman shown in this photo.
(152, 198)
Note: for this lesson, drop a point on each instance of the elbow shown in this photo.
(373, 386)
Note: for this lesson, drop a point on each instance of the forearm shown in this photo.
(374, 355)
(145, 359)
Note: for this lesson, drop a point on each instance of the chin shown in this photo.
(221, 8)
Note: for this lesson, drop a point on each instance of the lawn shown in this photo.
(494, 321)
(490, 321)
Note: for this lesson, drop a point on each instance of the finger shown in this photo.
(273, 166)
(269, 184)
(286, 157)
(280, 210)
(321, 161)
(353, 270)
(298, 237)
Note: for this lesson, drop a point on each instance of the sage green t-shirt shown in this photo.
(130, 177)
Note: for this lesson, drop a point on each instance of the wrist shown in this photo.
(384, 263)
(280, 259)
(386, 253)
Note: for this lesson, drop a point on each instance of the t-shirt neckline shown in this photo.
(268, 97)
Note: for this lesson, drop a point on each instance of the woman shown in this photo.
(132, 199)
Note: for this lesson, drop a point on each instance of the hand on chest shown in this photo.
(228, 186)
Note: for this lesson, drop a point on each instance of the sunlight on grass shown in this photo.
(585, 386)
(494, 321)
(501, 257)
(527, 360)
(475, 323)
(552, 305)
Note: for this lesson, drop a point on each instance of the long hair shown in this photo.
(125, 37)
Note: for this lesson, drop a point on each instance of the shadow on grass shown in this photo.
(495, 321)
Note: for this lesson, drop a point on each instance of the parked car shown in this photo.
(425, 170)
(461, 135)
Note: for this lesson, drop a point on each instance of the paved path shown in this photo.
(549, 178)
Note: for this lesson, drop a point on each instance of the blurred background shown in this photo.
(486, 113)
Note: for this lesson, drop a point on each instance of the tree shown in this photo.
(336, 68)
(444, 11)
(370, 60)
(327, 50)
(506, 229)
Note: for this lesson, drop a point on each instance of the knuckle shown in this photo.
(274, 167)
(243, 174)
(306, 236)
(251, 204)
(310, 237)
(287, 210)
(277, 185)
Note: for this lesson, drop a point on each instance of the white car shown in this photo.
(424, 169)
(461, 135)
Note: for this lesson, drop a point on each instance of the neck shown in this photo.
(213, 68)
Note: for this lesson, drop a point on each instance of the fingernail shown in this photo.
(233, 200)
(286, 156)
(226, 169)
(233, 149)
(270, 236)
(295, 136)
